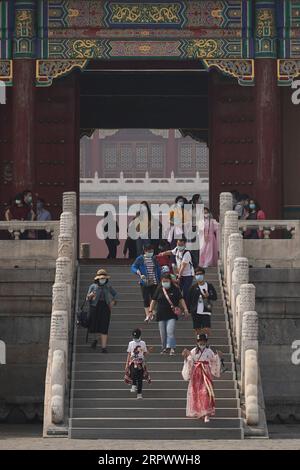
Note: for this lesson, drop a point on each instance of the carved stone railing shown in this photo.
(14, 247)
(57, 380)
(240, 298)
(144, 184)
(282, 250)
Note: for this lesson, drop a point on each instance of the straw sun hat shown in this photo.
(101, 274)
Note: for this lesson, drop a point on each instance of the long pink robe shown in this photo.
(209, 243)
(199, 368)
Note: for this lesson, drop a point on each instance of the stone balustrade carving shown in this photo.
(249, 366)
(230, 227)
(226, 204)
(69, 202)
(245, 302)
(235, 250)
(266, 227)
(58, 384)
(240, 275)
(61, 318)
(17, 227)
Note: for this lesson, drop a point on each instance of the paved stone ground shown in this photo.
(28, 437)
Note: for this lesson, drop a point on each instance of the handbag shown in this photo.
(176, 310)
(83, 316)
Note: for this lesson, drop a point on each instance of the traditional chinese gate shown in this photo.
(253, 42)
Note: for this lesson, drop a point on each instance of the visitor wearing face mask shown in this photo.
(28, 202)
(18, 210)
(42, 215)
(180, 221)
(101, 297)
(255, 213)
(200, 365)
(169, 305)
(184, 266)
(209, 240)
(199, 302)
(148, 269)
(135, 368)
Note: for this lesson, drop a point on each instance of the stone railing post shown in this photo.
(62, 300)
(249, 366)
(63, 275)
(235, 250)
(240, 275)
(59, 340)
(226, 204)
(230, 227)
(245, 303)
(70, 202)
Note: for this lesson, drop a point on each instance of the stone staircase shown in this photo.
(102, 406)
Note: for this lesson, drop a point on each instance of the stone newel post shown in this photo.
(245, 303)
(226, 204)
(235, 250)
(249, 363)
(240, 275)
(230, 226)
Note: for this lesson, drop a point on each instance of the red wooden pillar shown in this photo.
(171, 163)
(269, 189)
(23, 124)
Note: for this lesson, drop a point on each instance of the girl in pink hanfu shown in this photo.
(209, 240)
(200, 365)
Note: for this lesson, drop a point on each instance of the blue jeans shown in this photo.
(167, 333)
(185, 285)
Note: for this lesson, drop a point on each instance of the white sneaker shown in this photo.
(133, 389)
(206, 419)
(172, 352)
(139, 395)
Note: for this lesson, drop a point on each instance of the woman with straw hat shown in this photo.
(101, 297)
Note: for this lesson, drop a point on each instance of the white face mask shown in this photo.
(102, 282)
(201, 346)
(180, 248)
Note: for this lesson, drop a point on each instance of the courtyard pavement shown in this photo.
(28, 437)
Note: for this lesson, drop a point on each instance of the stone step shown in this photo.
(164, 403)
(146, 412)
(118, 348)
(149, 334)
(154, 423)
(148, 392)
(92, 356)
(116, 367)
(98, 373)
(180, 434)
(119, 316)
(98, 382)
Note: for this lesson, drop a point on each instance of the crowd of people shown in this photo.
(248, 208)
(183, 222)
(171, 292)
(27, 207)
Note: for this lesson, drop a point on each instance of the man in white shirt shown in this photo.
(184, 265)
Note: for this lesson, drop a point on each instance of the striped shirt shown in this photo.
(150, 267)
